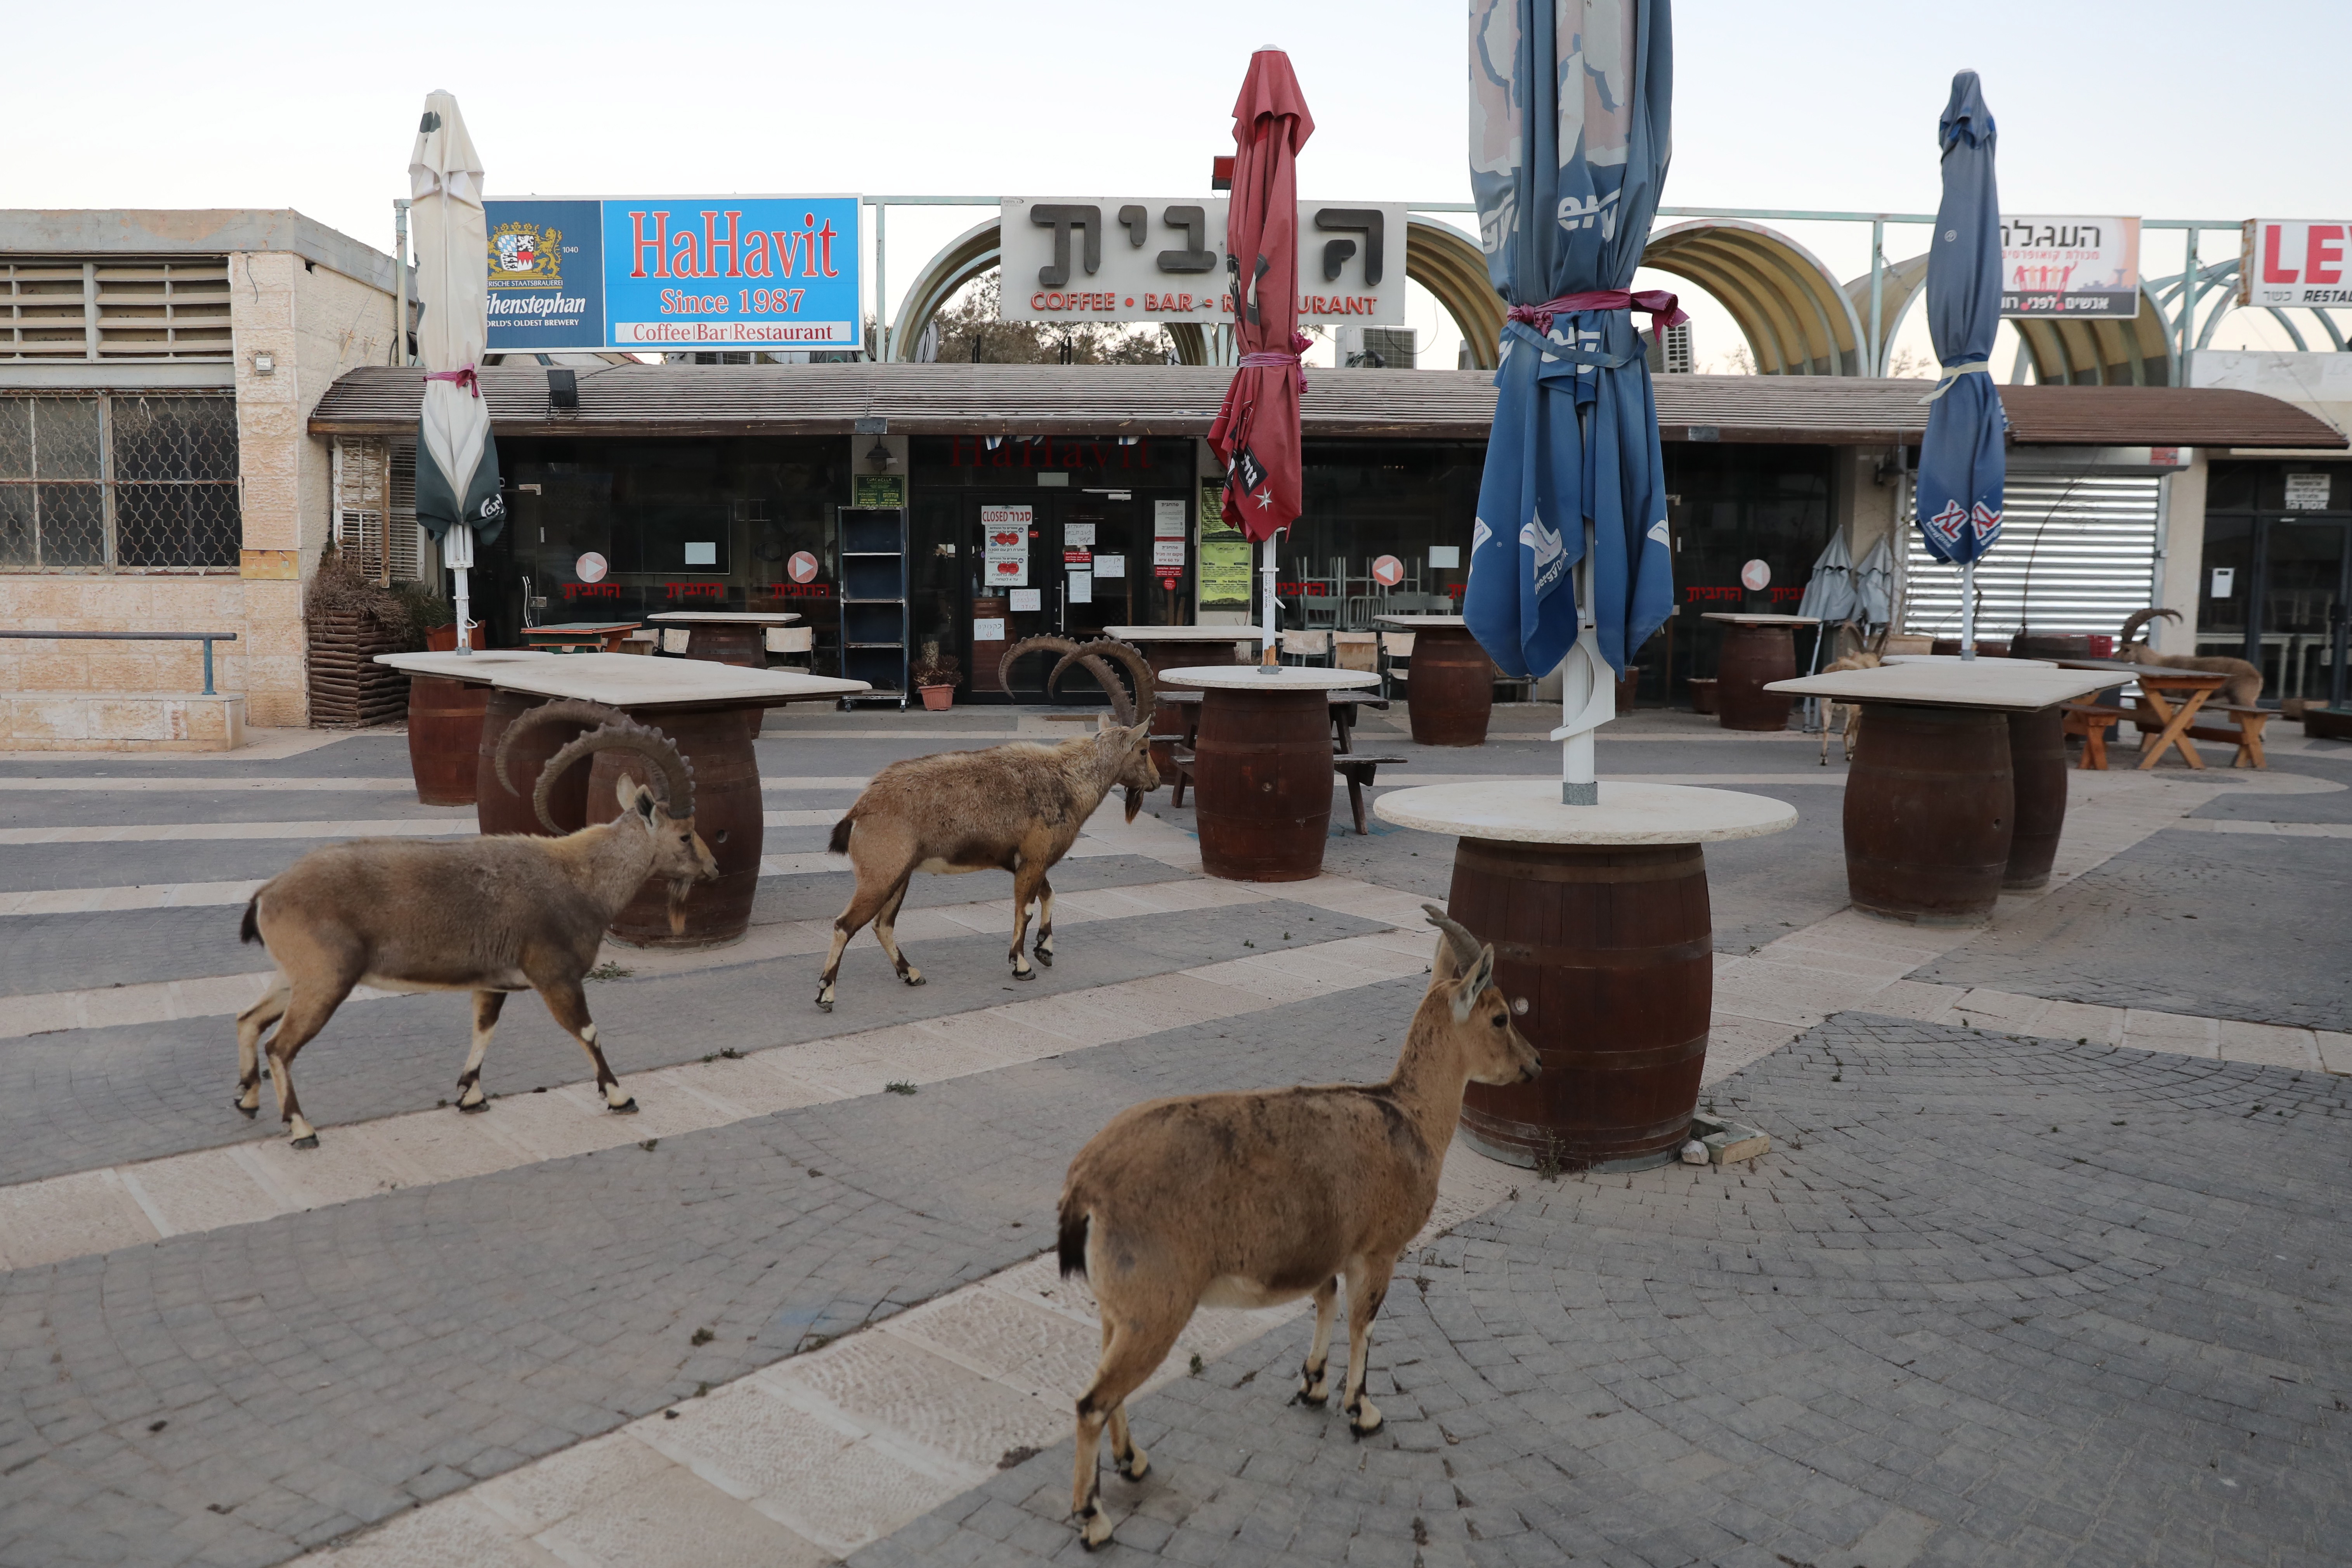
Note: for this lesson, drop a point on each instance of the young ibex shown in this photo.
(1865, 656)
(1016, 808)
(486, 915)
(2245, 688)
(1250, 1200)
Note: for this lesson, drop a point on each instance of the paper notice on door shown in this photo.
(989, 630)
(1110, 565)
(1168, 519)
(1082, 588)
(1078, 535)
(1004, 545)
(1167, 553)
(1027, 599)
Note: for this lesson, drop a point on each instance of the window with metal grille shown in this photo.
(119, 310)
(2074, 555)
(122, 481)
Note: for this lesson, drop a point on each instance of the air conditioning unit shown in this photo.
(1375, 348)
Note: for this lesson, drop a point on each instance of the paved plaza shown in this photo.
(2045, 1265)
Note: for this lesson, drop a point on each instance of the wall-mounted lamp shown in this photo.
(265, 365)
(880, 456)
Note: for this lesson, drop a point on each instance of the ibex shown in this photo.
(1866, 656)
(486, 915)
(1250, 1200)
(1015, 808)
(2245, 687)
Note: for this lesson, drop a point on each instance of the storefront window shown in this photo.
(1365, 499)
(1729, 505)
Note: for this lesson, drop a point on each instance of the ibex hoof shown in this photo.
(477, 1106)
(1135, 1466)
(1094, 1529)
(247, 1112)
(823, 1005)
(1024, 974)
(910, 977)
(1364, 1420)
(1314, 1388)
(310, 1142)
(626, 1107)
(1044, 955)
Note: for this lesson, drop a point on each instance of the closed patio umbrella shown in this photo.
(1829, 594)
(1257, 431)
(1962, 464)
(458, 498)
(1569, 133)
(1874, 584)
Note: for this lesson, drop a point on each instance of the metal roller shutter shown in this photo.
(2076, 556)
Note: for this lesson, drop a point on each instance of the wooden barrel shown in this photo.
(444, 738)
(727, 813)
(1168, 718)
(722, 643)
(1263, 771)
(494, 808)
(1753, 656)
(1930, 811)
(2037, 764)
(1612, 951)
(1450, 694)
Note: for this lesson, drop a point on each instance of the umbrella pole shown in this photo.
(458, 555)
(1588, 695)
(1968, 609)
(1272, 658)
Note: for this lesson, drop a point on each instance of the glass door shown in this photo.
(1014, 592)
(2303, 568)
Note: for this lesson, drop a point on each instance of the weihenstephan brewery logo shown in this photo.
(526, 256)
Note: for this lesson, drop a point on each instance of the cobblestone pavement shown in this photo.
(1989, 1302)
(478, 1330)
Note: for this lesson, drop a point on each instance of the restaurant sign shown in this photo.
(1113, 258)
(2072, 267)
(672, 272)
(2284, 262)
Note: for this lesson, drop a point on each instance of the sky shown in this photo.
(2159, 108)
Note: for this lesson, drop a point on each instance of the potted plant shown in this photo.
(937, 676)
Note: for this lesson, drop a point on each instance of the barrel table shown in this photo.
(710, 709)
(1757, 651)
(1604, 943)
(1174, 647)
(1262, 767)
(726, 637)
(1450, 695)
(1955, 761)
(447, 697)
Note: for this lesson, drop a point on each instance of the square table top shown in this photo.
(1421, 622)
(728, 618)
(2021, 689)
(627, 680)
(1740, 619)
(1186, 634)
(1251, 677)
(481, 666)
(555, 628)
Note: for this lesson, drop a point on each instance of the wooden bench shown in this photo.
(2091, 721)
(1359, 771)
(2245, 734)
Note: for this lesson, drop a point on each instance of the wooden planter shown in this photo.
(348, 688)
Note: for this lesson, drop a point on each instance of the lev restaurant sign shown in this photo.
(1112, 258)
(674, 273)
(2284, 262)
(2069, 267)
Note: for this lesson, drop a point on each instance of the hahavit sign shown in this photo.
(2069, 267)
(2284, 262)
(1111, 258)
(672, 272)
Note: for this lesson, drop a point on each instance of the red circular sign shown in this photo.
(591, 567)
(1757, 576)
(802, 566)
(1388, 571)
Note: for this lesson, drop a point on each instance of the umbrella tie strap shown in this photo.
(1952, 373)
(1271, 360)
(1665, 309)
(463, 377)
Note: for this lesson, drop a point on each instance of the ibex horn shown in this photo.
(674, 785)
(1138, 670)
(564, 710)
(2140, 618)
(1086, 660)
(1465, 947)
(1025, 645)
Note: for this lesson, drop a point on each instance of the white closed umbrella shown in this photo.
(458, 494)
(1829, 593)
(1874, 584)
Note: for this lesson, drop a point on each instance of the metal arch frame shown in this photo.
(1787, 285)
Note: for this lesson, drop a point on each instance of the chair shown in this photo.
(791, 640)
(1306, 647)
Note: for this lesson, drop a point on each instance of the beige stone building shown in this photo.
(157, 375)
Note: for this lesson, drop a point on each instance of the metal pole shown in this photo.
(1877, 297)
(2187, 306)
(1270, 659)
(882, 278)
(208, 666)
(400, 274)
(1968, 609)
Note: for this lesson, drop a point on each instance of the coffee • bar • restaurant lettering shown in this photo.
(674, 273)
(1113, 258)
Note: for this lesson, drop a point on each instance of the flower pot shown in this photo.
(938, 698)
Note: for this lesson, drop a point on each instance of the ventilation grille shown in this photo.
(375, 506)
(117, 309)
(2074, 555)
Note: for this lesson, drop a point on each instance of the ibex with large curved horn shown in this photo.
(1015, 808)
(1251, 1200)
(490, 916)
(2245, 688)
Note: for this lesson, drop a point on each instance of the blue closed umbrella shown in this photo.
(1962, 464)
(1570, 112)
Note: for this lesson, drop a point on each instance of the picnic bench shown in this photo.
(1359, 771)
(2164, 726)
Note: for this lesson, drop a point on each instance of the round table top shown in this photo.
(1956, 659)
(560, 628)
(481, 666)
(1251, 677)
(1423, 623)
(1186, 634)
(1528, 811)
(729, 617)
(1739, 618)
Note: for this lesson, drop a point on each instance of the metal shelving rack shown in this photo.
(874, 624)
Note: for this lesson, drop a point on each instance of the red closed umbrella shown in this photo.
(1257, 432)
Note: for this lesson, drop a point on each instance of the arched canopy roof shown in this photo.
(1796, 319)
(2082, 352)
